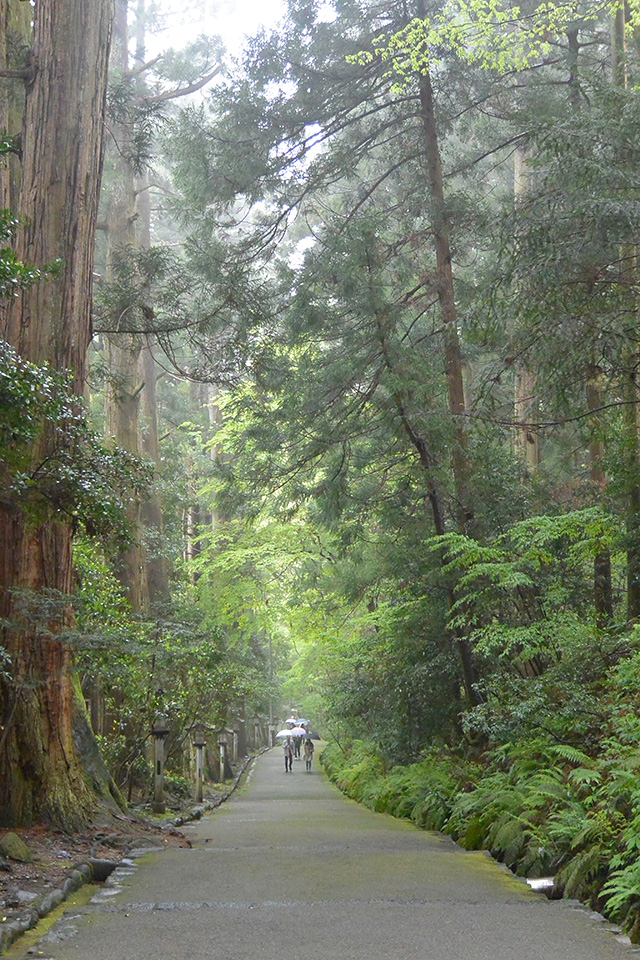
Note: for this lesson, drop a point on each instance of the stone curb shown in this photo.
(82, 873)
(89, 871)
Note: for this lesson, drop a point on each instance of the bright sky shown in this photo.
(232, 20)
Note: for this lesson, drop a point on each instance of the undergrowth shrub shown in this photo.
(355, 771)
(422, 792)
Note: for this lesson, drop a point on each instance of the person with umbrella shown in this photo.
(308, 752)
(287, 746)
(297, 733)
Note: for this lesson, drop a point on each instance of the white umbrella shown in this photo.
(283, 733)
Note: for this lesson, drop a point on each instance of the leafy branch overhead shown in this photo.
(488, 33)
(79, 478)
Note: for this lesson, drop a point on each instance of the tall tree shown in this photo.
(344, 130)
(42, 776)
(141, 92)
(123, 388)
(629, 276)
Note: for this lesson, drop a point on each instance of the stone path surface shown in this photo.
(289, 869)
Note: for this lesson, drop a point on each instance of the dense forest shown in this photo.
(319, 388)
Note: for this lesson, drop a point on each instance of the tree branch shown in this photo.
(561, 422)
(184, 91)
(145, 66)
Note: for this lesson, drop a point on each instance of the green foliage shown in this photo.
(422, 792)
(498, 36)
(181, 665)
(140, 669)
(178, 786)
(622, 893)
(55, 465)
(527, 605)
(138, 119)
(356, 773)
(149, 292)
(100, 601)
(15, 275)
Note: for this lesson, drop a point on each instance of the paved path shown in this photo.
(289, 869)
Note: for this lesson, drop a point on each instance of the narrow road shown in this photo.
(289, 869)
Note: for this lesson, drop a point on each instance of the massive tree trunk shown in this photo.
(602, 585)
(632, 469)
(526, 440)
(124, 387)
(122, 426)
(526, 445)
(152, 508)
(428, 464)
(41, 773)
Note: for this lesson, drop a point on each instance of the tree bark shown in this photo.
(453, 362)
(122, 426)
(152, 514)
(526, 441)
(15, 38)
(629, 271)
(124, 387)
(428, 463)
(602, 585)
(152, 508)
(633, 499)
(449, 312)
(42, 777)
(526, 446)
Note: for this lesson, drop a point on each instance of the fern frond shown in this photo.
(566, 751)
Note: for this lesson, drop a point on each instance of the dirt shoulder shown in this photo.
(54, 854)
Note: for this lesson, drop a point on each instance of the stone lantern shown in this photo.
(222, 744)
(199, 742)
(160, 731)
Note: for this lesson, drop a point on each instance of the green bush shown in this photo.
(353, 772)
(422, 792)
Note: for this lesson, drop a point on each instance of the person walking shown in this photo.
(288, 754)
(308, 752)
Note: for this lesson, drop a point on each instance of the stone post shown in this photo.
(160, 731)
(222, 744)
(199, 741)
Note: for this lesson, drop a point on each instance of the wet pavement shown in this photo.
(289, 869)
